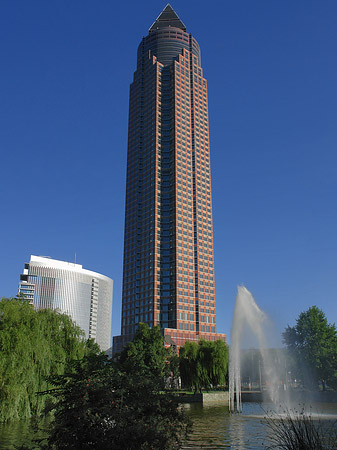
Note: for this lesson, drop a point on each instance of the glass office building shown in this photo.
(168, 271)
(85, 295)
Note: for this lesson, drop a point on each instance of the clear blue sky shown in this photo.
(65, 70)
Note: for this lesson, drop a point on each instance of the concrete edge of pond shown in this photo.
(216, 397)
(222, 397)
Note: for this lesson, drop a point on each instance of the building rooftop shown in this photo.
(65, 265)
(167, 18)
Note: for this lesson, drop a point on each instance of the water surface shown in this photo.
(14, 434)
(215, 428)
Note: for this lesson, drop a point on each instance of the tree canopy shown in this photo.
(146, 354)
(33, 345)
(203, 364)
(313, 342)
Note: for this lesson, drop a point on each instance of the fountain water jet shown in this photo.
(247, 315)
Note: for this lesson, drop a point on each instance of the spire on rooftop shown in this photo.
(167, 18)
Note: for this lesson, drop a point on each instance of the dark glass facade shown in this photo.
(168, 271)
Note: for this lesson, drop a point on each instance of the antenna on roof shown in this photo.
(75, 257)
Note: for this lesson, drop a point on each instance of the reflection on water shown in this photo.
(15, 434)
(215, 428)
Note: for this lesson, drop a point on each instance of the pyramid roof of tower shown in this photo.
(167, 18)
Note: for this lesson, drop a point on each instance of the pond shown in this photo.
(213, 427)
(15, 434)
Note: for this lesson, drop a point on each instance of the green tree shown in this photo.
(146, 354)
(313, 343)
(203, 365)
(172, 380)
(188, 366)
(33, 345)
(219, 366)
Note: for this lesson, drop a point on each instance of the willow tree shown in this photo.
(203, 365)
(219, 366)
(34, 345)
(188, 355)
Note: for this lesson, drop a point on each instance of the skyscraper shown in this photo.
(168, 272)
(85, 295)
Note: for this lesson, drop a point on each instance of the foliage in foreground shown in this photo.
(313, 344)
(114, 405)
(295, 430)
(203, 364)
(33, 345)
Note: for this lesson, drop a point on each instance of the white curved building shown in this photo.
(85, 295)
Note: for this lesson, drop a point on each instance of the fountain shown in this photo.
(249, 317)
(289, 422)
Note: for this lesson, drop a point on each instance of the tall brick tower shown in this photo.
(168, 272)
